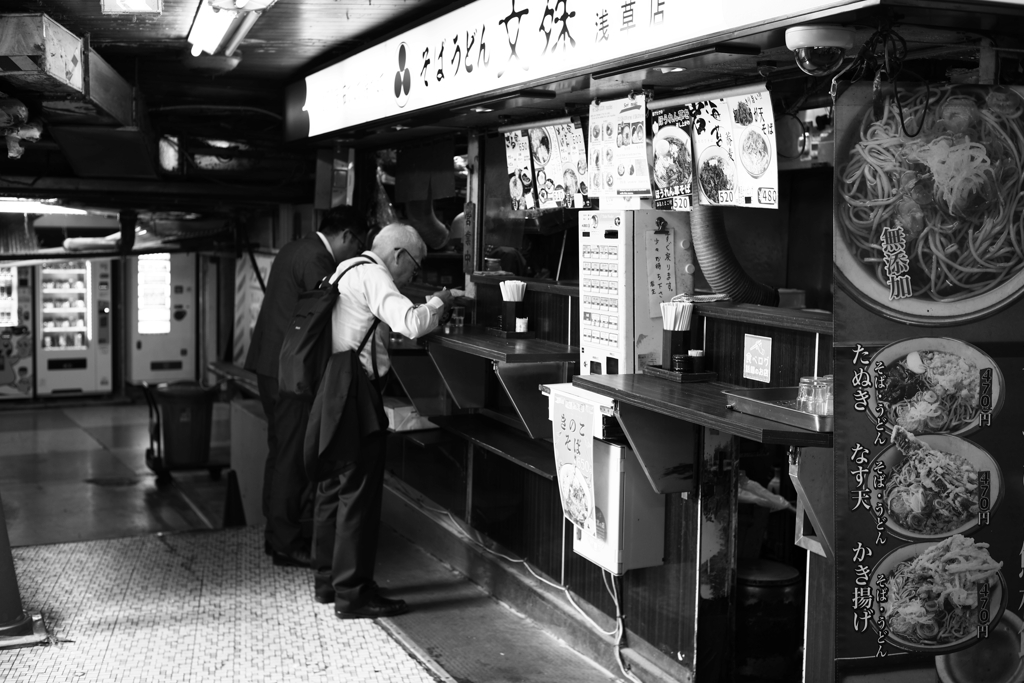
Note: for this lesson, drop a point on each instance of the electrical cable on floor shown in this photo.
(554, 584)
(619, 633)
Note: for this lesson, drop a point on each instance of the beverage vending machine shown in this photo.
(74, 337)
(16, 349)
(161, 293)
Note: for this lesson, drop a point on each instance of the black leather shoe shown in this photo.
(267, 549)
(298, 558)
(325, 595)
(375, 607)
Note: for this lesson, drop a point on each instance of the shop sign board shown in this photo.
(929, 390)
(490, 46)
(132, 6)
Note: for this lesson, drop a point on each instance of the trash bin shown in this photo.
(181, 416)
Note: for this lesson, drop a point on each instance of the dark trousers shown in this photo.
(346, 525)
(286, 488)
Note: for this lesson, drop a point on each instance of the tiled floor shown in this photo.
(78, 474)
(138, 582)
(202, 606)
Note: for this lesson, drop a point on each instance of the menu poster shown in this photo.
(577, 191)
(520, 171)
(574, 460)
(929, 394)
(672, 157)
(713, 151)
(560, 166)
(753, 141)
(618, 148)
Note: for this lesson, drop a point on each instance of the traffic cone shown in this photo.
(16, 626)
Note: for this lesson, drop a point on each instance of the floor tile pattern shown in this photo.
(196, 606)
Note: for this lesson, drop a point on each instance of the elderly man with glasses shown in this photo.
(345, 443)
(298, 267)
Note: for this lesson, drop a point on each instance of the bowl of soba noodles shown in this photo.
(939, 594)
(928, 218)
(935, 385)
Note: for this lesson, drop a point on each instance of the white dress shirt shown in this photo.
(369, 292)
(327, 245)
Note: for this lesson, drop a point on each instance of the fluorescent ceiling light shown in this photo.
(209, 29)
(32, 206)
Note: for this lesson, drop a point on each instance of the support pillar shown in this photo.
(16, 626)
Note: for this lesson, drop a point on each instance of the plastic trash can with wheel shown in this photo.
(180, 421)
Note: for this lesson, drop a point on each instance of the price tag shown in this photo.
(726, 196)
(767, 195)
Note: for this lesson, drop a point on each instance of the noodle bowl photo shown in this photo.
(932, 485)
(935, 385)
(934, 603)
(947, 200)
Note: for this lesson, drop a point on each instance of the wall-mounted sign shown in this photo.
(490, 46)
(757, 358)
(132, 6)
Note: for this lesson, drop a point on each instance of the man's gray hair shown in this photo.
(398, 236)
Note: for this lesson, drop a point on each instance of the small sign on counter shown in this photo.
(757, 358)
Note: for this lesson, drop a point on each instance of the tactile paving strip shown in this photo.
(198, 606)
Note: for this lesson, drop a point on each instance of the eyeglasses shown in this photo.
(417, 268)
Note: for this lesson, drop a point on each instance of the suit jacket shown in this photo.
(347, 409)
(298, 267)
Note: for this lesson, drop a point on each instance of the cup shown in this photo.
(457, 321)
(521, 324)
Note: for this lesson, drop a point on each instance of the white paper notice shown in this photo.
(574, 460)
(661, 275)
(520, 174)
(753, 142)
(618, 148)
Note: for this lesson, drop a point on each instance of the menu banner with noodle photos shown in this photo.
(754, 150)
(928, 391)
(521, 188)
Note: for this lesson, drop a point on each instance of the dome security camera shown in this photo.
(819, 49)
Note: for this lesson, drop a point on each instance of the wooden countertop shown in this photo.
(700, 403)
(476, 342)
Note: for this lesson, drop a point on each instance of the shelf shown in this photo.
(66, 311)
(64, 291)
(64, 271)
(702, 404)
(62, 330)
(50, 349)
(492, 436)
(780, 318)
(565, 287)
(476, 342)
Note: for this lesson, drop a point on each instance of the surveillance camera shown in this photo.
(819, 49)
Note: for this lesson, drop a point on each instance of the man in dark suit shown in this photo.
(298, 267)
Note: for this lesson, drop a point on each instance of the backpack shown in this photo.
(307, 341)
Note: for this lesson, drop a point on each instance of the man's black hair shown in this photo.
(342, 218)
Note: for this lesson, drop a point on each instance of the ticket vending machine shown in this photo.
(74, 338)
(629, 262)
(161, 294)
